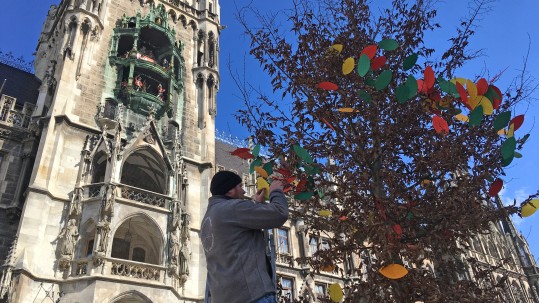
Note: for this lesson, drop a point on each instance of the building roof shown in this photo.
(229, 162)
(19, 84)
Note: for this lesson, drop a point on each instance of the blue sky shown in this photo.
(504, 34)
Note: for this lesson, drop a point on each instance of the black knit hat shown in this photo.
(224, 181)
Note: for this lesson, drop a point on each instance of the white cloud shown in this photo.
(508, 198)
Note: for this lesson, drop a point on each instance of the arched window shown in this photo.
(211, 50)
(131, 296)
(138, 239)
(200, 48)
(211, 95)
(145, 169)
(99, 167)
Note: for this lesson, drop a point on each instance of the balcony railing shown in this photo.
(129, 193)
(144, 196)
(136, 270)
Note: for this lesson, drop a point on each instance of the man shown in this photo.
(239, 270)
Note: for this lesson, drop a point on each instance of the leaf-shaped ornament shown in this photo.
(517, 121)
(388, 44)
(261, 183)
(502, 120)
(529, 208)
(370, 51)
(256, 150)
(306, 195)
(328, 85)
(428, 77)
(508, 148)
(260, 171)
(440, 125)
(383, 80)
(335, 292)
(378, 62)
(348, 66)
(495, 187)
(393, 271)
(409, 61)
(476, 116)
(363, 65)
(303, 154)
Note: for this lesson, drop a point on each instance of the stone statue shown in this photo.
(69, 236)
(184, 257)
(103, 228)
(174, 249)
(108, 201)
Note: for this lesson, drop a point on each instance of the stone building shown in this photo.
(105, 168)
(106, 156)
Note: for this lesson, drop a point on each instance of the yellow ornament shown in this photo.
(325, 213)
(348, 66)
(530, 208)
(335, 292)
(393, 271)
(337, 47)
(262, 183)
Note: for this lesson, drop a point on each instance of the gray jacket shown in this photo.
(239, 269)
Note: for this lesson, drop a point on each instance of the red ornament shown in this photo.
(370, 51)
(328, 85)
(378, 62)
(517, 121)
(495, 187)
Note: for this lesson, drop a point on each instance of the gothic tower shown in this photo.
(126, 116)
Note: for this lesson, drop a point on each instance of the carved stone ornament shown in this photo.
(64, 263)
(148, 137)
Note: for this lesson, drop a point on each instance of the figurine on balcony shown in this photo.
(69, 236)
(165, 64)
(160, 91)
(138, 83)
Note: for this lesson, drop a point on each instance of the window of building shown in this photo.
(120, 249)
(320, 290)
(283, 244)
(90, 248)
(287, 289)
(139, 254)
(316, 244)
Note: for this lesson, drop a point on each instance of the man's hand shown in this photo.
(276, 185)
(259, 197)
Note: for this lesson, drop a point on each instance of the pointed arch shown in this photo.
(99, 167)
(138, 238)
(144, 168)
(132, 296)
(87, 233)
(212, 50)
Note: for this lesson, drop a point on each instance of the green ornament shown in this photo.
(409, 61)
(411, 84)
(508, 148)
(402, 93)
(268, 167)
(256, 150)
(502, 120)
(364, 95)
(383, 80)
(256, 162)
(306, 195)
(388, 44)
(363, 65)
(303, 154)
(476, 116)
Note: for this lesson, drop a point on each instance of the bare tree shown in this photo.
(386, 151)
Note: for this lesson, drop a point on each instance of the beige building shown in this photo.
(106, 156)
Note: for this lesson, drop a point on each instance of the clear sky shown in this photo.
(504, 34)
